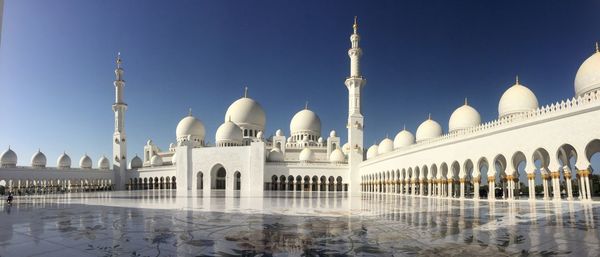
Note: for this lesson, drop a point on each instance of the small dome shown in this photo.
(136, 162)
(85, 162)
(464, 117)
(307, 155)
(229, 132)
(63, 161)
(403, 139)
(289, 139)
(346, 148)
(320, 140)
(275, 155)
(149, 142)
(372, 152)
(172, 145)
(516, 99)
(305, 121)
(245, 112)
(156, 161)
(385, 146)
(279, 133)
(174, 159)
(38, 160)
(333, 133)
(587, 78)
(8, 158)
(337, 156)
(428, 129)
(103, 163)
(190, 126)
(259, 135)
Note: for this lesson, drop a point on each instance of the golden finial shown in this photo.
(118, 59)
(355, 26)
(306, 105)
(246, 92)
(597, 49)
(404, 127)
(190, 111)
(429, 116)
(466, 103)
(517, 80)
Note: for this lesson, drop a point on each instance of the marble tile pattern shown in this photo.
(160, 223)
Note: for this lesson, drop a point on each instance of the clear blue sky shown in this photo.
(420, 57)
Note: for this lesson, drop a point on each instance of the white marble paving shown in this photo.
(160, 223)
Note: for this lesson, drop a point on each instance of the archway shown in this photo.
(218, 176)
(237, 183)
(273, 186)
(591, 153)
(567, 157)
(282, 182)
(541, 160)
(199, 180)
(484, 187)
(500, 173)
(517, 188)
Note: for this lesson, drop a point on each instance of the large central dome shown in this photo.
(246, 113)
(306, 122)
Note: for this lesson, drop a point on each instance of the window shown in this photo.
(245, 132)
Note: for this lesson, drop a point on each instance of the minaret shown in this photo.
(119, 138)
(354, 83)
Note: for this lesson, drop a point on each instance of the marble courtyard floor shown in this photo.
(159, 223)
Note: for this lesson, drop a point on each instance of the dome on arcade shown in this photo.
(385, 146)
(259, 135)
(372, 152)
(306, 122)
(587, 78)
(246, 112)
(136, 162)
(8, 158)
(230, 133)
(403, 138)
(464, 117)
(337, 156)
(85, 162)
(320, 140)
(156, 161)
(428, 129)
(38, 160)
(275, 155)
(190, 126)
(103, 163)
(346, 148)
(174, 159)
(516, 99)
(307, 155)
(63, 161)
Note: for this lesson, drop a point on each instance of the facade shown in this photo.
(553, 143)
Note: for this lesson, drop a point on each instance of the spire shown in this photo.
(246, 92)
(404, 127)
(355, 26)
(517, 80)
(190, 111)
(466, 103)
(306, 105)
(429, 116)
(597, 49)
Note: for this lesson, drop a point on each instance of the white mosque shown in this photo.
(553, 144)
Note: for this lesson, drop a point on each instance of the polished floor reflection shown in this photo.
(159, 223)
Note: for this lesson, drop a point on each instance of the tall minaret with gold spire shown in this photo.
(354, 83)
(119, 137)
